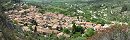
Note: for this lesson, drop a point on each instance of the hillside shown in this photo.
(65, 20)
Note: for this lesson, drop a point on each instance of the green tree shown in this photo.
(65, 30)
(89, 32)
(77, 29)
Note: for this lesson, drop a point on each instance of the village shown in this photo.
(48, 22)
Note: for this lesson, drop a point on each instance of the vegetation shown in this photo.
(100, 12)
(77, 29)
(93, 12)
(78, 32)
(89, 32)
(65, 30)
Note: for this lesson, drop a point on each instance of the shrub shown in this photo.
(77, 28)
(15, 21)
(65, 30)
(79, 38)
(42, 11)
(89, 32)
(30, 27)
(99, 21)
(77, 34)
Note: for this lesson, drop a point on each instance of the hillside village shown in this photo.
(64, 20)
(47, 22)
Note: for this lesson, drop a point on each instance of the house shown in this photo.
(86, 24)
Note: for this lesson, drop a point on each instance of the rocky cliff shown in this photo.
(117, 32)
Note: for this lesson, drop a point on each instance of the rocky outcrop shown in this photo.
(117, 32)
(8, 30)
